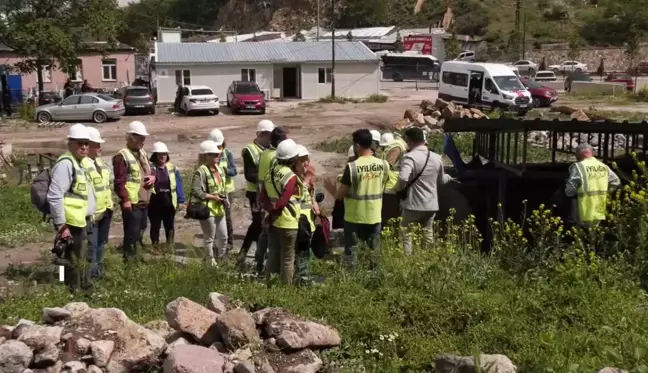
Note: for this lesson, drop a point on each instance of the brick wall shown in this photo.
(615, 59)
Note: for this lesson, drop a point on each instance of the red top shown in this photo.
(289, 190)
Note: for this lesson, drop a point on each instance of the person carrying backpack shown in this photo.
(71, 199)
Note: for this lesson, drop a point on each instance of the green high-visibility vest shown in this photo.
(593, 190)
(363, 203)
(255, 151)
(215, 186)
(266, 161)
(275, 182)
(134, 176)
(229, 181)
(75, 200)
(393, 171)
(101, 181)
(306, 204)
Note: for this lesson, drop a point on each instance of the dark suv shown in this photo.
(136, 99)
(245, 97)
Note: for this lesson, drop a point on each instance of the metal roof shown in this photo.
(364, 32)
(263, 52)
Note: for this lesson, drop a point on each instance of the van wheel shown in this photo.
(99, 117)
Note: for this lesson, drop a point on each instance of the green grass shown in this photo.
(21, 222)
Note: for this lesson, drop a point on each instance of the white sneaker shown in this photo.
(213, 262)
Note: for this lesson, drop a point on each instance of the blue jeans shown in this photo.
(368, 234)
(98, 241)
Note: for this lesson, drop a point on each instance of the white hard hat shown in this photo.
(375, 135)
(209, 147)
(95, 136)
(351, 152)
(216, 136)
(78, 132)
(265, 125)
(137, 128)
(386, 139)
(287, 149)
(160, 147)
(302, 151)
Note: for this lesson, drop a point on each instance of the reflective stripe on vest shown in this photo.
(214, 186)
(306, 204)
(393, 172)
(101, 181)
(265, 162)
(275, 183)
(363, 203)
(224, 163)
(75, 200)
(593, 190)
(255, 151)
(134, 176)
(172, 184)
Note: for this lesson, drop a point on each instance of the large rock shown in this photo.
(192, 318)
(449, 111)
(411, 115)
(420, 120)
(580, 115)
(39, 336)
(611, 370)
(218, 302)
(15, 357)
(52, 315)
(441, 104)
(237, 328)
(76, 309)
(294, 333)
(46, 356)
(194, 359)
(160, 327)
(101, 352)
(430, 122)
(74, 367)
(304, 361)
(136, 347)
(466, 364)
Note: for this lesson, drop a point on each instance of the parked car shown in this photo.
(545, 76)
(136, 99)
(542, 96)
(622, 78)
(641, 68)
(245, 97)
(468, 56)
(576, 77)
(568, 66)
(526, 67)
(199, 98)
(96, 107)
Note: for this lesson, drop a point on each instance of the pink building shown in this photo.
(114, 70)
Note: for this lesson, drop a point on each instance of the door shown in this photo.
(475, 87)
(86, 106)
(290, 82)
(490, 93)
(66, 109)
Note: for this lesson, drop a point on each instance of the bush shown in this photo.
(337, 99)
(27, 112)
(377, 98)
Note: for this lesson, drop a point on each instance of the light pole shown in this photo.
(318, 18)
(333, 49)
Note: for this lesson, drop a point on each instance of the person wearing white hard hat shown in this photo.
(208, 192)
(375, 147)
(280, 198)
(337, 216)
(309, 210)
(228, 164)
(102, 179)
(394, 154)
(72, 202)
(251, 155)
(168, 196)
(134, 180)
(386, 139)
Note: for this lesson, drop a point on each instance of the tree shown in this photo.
(574, 47)
(452, 47)
(632, 49)
(299, 36)
(398, 44)
(51, 33)
(363, 13)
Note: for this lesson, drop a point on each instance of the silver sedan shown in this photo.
(96, 107)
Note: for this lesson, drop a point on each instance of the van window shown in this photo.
(489, 86)
(508, 83)
(457, 79)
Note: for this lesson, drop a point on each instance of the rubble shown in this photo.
(77, 338)
(431, 116)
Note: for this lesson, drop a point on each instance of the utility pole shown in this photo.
(524, 36)
(318, 19)
(516, 44)
(333, 49)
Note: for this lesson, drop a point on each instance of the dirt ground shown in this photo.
(307, 123)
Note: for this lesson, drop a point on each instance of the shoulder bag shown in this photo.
(402, 194)
(198, 211)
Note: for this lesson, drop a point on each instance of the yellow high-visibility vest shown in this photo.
(593, 190)
(75, 200)
(363, 203)
(134, 176)
(255, 151)
(306, 204)
(393, 171)
(265, 162)
(275, 182)
(101, 181)
(216, 186)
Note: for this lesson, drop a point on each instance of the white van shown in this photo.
(483, 84)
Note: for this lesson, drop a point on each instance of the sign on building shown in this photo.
(418, 43)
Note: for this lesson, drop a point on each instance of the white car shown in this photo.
(545, 76)
(568, 66)
(199, 98)
(466, 56)
(526, 66)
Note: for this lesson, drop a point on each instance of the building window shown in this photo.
(75, 73)
(183, 77)
(47, 74)
(248, 75)
(109, 70)
(325, 75)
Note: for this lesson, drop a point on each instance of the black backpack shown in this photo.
(39, 187)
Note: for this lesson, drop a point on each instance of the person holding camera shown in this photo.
(208, 189)
(133, 185)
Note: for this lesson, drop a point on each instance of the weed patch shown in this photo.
(21, 222)
(377, 98)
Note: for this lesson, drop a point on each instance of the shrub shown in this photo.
(377, 98)
(27, 112)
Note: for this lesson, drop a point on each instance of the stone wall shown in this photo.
(615, 59)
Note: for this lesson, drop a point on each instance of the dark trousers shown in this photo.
(228, 220)
(98, 240)
(76, 266)
(160, 214)
(135, 222)
(390, 209)
(368, 235)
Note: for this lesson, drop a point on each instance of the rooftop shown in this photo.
(263, 52)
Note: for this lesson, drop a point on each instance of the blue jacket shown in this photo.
(179, 187)
(231, 166)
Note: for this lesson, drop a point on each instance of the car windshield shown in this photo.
(544, 75)
(201, 92)
(531, 84)
(508, 82)
(247, 88)
(137, 92)
(105, 97)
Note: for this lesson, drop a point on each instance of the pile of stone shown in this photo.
(431, 116)
(218, 338)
